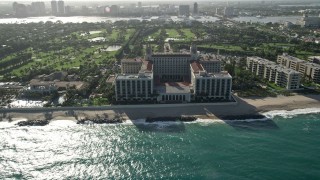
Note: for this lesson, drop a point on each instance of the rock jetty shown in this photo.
(33, 123)
(243, 117)
(99, 121)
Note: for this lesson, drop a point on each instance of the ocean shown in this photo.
(286, 146)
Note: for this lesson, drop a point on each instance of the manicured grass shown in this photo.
(172, 33)
(275, 87)
(155, 34)
(74, 56)
(70, 59)
(189, 35)
(304, 54)
(225, 47)
(279, 44)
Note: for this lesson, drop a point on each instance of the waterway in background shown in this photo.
(286, 147)
(274, 19)
(91, 19)
(94, 19)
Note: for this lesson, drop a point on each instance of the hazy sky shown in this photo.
(140, 0)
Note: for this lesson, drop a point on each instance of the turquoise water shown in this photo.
(284, 148)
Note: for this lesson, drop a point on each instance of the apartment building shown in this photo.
(309, 70)
(210, 85)
(279, 74)
(289, 61)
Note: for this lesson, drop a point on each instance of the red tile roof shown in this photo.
(196, 66)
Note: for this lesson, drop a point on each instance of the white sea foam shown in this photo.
(291, 114)
(163, 124)
(62, 123)
(6, 124)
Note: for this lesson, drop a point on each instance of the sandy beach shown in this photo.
(244, 106)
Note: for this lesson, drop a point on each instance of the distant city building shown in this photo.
(38, 8)
(288, 24)
(184, 10)
(279, 74)
(114, 10)
(54, 7)
(20, 10)
(85, 10)
(69, 10)
(61, 8)
(139, 5)
(195, 9)
(307, 21)
(228, 11)
(173, 77)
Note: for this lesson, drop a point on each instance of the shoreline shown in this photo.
(245, 107)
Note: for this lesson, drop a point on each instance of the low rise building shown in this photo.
(47, 87)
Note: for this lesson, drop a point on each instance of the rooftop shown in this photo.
(196, 67)
(58, 84)
(210, 57)
(171, 55)
(280, 68)
(173, 88)
(135, 76)
(111, 78)
(291, 58)
(147, 66)
(135, 60)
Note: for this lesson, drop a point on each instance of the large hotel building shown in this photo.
(173, 77)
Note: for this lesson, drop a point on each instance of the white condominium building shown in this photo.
(309, 70)
(289, 61)
(137, 85)
(279, 74)
(210, 85)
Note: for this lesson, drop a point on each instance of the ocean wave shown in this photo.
(291, 114)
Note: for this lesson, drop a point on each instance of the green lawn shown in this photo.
(275, 87)
(172, 33)
(70, 59)
(73, 56)
(155, 34)
(129, 34)
(189, 35)
(279, 44)
(225, 47)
